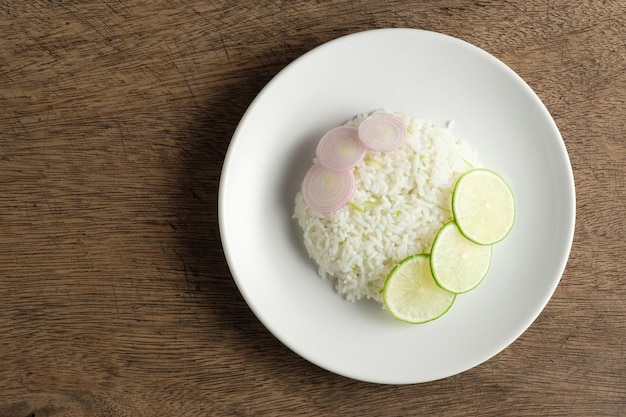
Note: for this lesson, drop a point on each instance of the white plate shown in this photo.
(427, 75)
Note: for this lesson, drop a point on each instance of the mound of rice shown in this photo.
(402, 199)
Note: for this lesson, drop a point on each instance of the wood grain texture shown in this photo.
(116, 298)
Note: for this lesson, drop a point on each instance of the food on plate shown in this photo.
(412, 295)
(483, 206)
(458, 264)
(384, 188)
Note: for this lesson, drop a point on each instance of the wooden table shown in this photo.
(116, 299)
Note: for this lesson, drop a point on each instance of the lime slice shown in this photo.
(483, 206)
(411, 293)
(458, 264)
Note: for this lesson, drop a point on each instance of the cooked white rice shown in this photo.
(402, 199)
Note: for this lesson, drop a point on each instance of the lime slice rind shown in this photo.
(483, 206)
(411, 294)
(458, 265)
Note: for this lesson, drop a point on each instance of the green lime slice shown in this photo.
(483, 206)
(458, 264)
(411, 293)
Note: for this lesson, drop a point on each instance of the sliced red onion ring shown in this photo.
(340, 149)
(325, 190)
(383, 132)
